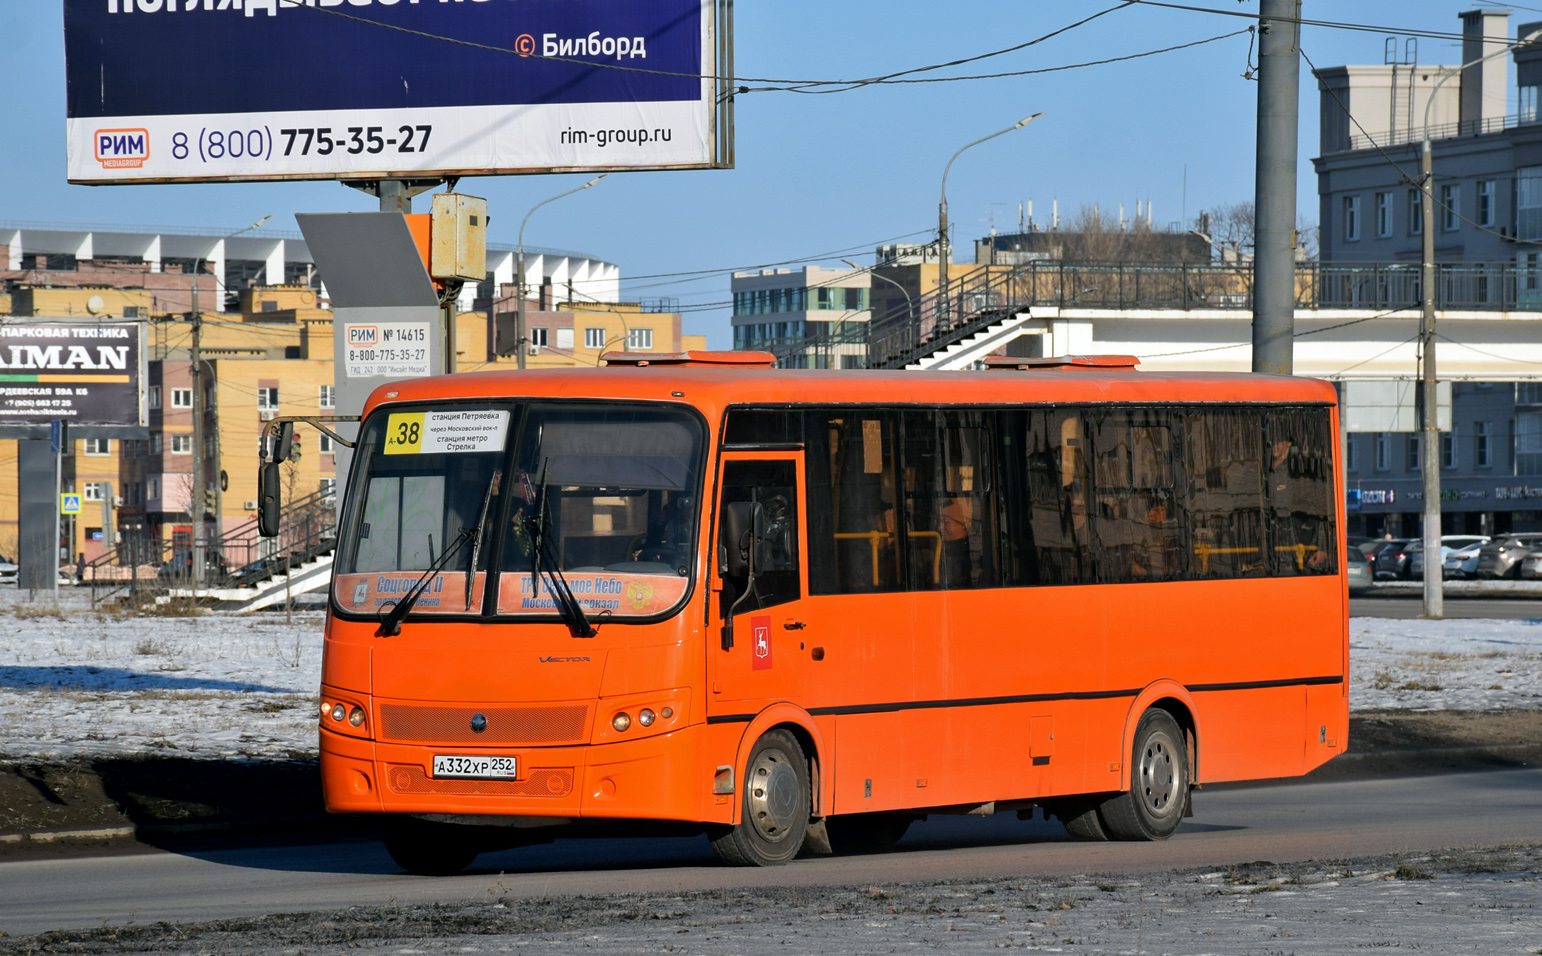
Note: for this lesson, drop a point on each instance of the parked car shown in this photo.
(180, 567)
(1366, 546)
(1501, 558)
(1531, 566)
(8, 570)
(1448, 544)
(1391, 561)
(1463, 563)
(1358, 568)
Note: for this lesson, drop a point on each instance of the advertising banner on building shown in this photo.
(229, 90)
(83, 373)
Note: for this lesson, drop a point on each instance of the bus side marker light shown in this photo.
(1115, 767)
(723, 780)
(920, 782)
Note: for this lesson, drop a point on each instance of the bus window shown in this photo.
(1045, 481)
(1223, 506)
(773, 485)
(1138, 530)
(948, 519)
(1299, 490)
(853, 530)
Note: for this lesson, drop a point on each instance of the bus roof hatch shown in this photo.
(1061, 362)
(691, 359)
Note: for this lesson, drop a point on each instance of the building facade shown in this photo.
(811, 317)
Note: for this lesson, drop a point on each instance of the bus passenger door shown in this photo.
(755, 652)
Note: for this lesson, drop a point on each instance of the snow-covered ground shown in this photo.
(81, 684)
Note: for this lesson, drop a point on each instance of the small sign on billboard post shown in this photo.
(69, 504)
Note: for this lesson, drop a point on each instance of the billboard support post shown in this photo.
(395, 195)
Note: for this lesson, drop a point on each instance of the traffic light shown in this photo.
(210, 500)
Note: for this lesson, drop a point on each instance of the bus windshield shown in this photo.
(523, 499)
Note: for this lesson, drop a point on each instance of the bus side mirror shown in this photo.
(268, 499)
(283, 443)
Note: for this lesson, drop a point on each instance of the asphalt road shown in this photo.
(1278, 823)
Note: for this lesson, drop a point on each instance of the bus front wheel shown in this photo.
(428, 849)
(1159, 783)
(774, 810)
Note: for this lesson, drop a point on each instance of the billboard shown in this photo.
(232, 90)
(83, 373)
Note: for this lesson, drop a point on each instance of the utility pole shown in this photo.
(196, 504)
(520, 332)
(1274, 203)
(1429, 412)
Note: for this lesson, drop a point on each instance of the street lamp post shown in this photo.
(195, 362)
(942, 309)
(910, 305)
(1429, 413)
(519, 258)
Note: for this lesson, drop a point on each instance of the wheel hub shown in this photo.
(1158, 776)
(772, 795)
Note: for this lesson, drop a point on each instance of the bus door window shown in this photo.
(856, 546)
(1298, 458)
(946, 480)
(771, 550)
(1224, 495)
(1137, 512)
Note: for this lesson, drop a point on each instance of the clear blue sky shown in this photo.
(817, 174)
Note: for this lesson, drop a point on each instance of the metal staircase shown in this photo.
(242, 570)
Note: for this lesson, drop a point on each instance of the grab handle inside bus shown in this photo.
(742, 521)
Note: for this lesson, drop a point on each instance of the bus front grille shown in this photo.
(545, 725)
(406, 778)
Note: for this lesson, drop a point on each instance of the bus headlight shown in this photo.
(339, 712)
(356, 716)
(621, 721)
(645, 717)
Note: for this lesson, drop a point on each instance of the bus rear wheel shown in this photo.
(867, 832)
(1159, 783)
(774, 812)
(429, 849)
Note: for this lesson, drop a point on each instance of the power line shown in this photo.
(1330, 24)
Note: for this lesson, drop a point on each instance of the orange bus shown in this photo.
(803, 608)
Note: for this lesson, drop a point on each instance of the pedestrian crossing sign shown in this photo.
(69, 504)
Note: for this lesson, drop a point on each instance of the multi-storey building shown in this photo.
(810, 317)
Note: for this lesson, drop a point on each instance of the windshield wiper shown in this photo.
(562, 596)
(392, 624)
(481, 533)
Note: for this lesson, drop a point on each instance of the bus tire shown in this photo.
(1159, 782)
(427, 849)
(1080, 819)
(774, 809)
(867, 832)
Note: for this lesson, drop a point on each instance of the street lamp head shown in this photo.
(258, 223)
(595, 180)
(1027, 119)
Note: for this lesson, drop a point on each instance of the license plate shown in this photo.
(474, 768)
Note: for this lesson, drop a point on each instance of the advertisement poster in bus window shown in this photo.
(445, 593)
(237, 90)
(621, 594)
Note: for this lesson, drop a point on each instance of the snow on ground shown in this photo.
(77, 683)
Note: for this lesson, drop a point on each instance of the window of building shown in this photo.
(538, 336)
(153, 488)
(1483, 444)
(1450, 207)
(155, 443)
(326, 444)
(181, 444)
(1486, 202)
(155, 396)
(1383, 214)
(564, 338)
(1352, 453)
(1415, 212)
(181, 398)
(1448, 449)
(594, 338)
(94, 490)
(1383, 451)
(267, 397)
(639, 338)
(328, 396)
(1528, 104)
(1352, 218)
(98, 446)
(1413, 452)
(1528, 202)
(328, 487)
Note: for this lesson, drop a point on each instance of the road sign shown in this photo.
(69, 504)
(284, 89)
